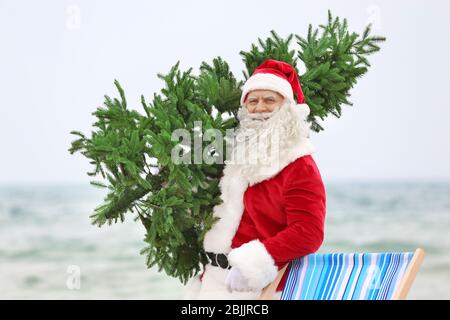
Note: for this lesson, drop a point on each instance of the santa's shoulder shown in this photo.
(304, 165)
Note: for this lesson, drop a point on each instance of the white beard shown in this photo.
(263, 139)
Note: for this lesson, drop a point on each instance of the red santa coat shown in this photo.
(286, 213)
(267, 218)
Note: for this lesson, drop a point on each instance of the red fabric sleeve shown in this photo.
(246, 231)
(305, 205)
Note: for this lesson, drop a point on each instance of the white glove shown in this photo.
(236, 281)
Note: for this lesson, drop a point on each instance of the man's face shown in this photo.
(263, 100)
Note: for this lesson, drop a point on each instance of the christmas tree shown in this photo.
(132, 151)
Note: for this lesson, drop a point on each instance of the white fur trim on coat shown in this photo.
(255, 263)
(218, 238)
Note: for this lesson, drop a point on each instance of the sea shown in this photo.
(50, 250)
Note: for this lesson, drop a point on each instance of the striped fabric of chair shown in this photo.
(346, 276)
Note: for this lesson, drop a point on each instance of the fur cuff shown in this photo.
(255, 263)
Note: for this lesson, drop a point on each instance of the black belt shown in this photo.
(218, 260)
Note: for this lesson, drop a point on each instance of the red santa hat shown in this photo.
(275, 75)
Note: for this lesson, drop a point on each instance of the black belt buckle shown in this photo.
(219, 260)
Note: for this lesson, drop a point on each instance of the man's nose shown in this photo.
(260, 107)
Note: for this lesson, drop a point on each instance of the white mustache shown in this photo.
(262, 115)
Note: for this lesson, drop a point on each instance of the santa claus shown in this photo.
(274, 202)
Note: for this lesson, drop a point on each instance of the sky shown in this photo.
(58, 59)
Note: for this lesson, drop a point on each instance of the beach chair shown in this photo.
(348, 276)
